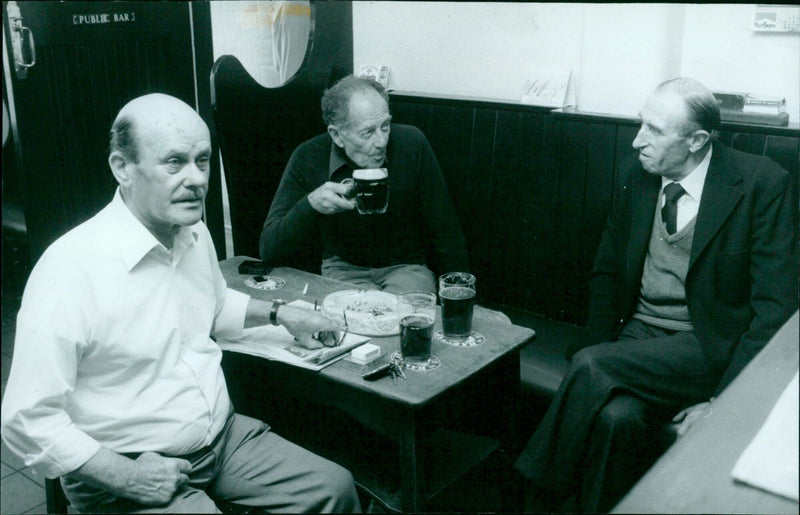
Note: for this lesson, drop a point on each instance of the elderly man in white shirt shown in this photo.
(116, 384)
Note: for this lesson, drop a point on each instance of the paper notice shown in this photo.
(770, 462)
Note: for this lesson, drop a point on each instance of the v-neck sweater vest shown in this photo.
(662, 299)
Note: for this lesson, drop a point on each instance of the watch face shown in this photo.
(265, 282)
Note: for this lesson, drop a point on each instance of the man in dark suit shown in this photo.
(696, 270)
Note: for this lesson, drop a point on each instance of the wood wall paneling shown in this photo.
(537, 200)
(567, 272)
(480, 206)
(511, 172)
(601, 149)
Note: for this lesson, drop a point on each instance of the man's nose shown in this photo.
(381, 139)
(195, 177)
(638, 141)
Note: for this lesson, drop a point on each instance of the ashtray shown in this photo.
(265, 282)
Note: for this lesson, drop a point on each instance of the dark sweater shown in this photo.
(419, 227)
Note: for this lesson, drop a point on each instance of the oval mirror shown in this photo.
(272, 40)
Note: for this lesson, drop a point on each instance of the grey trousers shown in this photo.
(393, 279)
(247, 464)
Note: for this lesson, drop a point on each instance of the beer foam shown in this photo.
(457, 292)
(370, 174)
(416, 320)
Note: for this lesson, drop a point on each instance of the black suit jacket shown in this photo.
(741, 285)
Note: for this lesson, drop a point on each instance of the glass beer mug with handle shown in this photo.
(370, 186)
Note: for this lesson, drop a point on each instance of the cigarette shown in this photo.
(305, 289)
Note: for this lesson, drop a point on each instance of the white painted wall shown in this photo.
(620, 44)
(719, 52)
(472, 49)
(617, 52)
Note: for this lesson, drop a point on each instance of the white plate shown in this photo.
(369, 312)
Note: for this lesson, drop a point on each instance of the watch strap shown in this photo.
(273, 312)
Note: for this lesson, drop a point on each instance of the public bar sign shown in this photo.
(103, 18)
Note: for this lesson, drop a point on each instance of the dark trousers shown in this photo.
(597, 436)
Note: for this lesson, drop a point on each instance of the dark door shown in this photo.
(89, 59)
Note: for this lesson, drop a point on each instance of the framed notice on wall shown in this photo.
(550, 88)
(776, 18)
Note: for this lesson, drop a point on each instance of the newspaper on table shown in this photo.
(770, 462)
(276, 343)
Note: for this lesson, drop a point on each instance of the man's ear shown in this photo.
(698, 140)
(119, 167)
(336, 136)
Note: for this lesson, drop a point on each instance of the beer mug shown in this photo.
(370, 186)
(457, 295)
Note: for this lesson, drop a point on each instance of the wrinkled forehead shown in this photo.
(174, 135)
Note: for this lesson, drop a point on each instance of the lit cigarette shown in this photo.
(305, 289)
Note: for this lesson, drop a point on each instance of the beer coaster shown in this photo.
(432, 364)
(268, 282)
(473, 340)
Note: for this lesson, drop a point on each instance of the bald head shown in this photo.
(702, 110)
(143, 113)
(160, 156)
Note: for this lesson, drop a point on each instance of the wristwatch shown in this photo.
(273, 313)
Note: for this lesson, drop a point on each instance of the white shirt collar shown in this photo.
(694, 182)
(136, 241)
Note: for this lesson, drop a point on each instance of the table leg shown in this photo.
(412, 471)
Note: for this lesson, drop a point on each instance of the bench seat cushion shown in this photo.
(542, 362)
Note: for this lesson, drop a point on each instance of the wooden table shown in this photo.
(694, 476)
(406, 412)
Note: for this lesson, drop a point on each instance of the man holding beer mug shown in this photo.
(380, 203)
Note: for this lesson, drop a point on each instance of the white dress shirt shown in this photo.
(689, 203)
(114, 348)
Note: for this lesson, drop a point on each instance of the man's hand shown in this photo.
(687, 416)
(303, 324)
(310, 328)
(330, 198)
(157, 479)
(150, 479)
